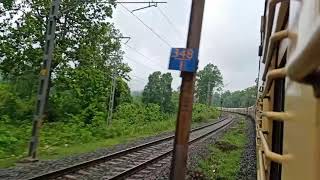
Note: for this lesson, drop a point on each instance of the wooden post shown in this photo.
(180, 152)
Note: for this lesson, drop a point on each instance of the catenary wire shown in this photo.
(170, 22)
(143, 55)
(148, 27)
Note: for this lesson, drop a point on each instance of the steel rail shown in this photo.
(141, 166)
(82, 165)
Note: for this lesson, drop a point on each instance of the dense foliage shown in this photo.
(129, 120)
(158, 90)
(81, 70)
(74, 126)
(242, 98)
(87, 52)
(203, 112)
(207, 79)
(80, 84)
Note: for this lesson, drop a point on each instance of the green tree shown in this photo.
(158, 91)
(79, 39)
(236, 99)
(122, 93)
(151, 92)
(86, 44)
(7, 4)
(207, 79)
(166, 93)
(175, 100)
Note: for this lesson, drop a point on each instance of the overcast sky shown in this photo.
(230, 39)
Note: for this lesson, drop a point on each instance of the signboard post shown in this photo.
(180, 149)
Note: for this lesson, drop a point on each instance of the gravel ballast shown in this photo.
(196, 151)
(200, 150)
(248, 164)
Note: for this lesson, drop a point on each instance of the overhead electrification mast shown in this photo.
(44, 79)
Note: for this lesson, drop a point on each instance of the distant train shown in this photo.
(250, 111)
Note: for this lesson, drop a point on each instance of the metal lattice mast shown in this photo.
(44, 78)
(113, 65)
(208, 93)
(111, 100)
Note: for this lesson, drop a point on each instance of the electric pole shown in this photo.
(113, 89)
(221, 104)
(44, 79)
(180, 151)
(209, 94)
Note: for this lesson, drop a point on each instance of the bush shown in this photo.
(14, 107)
(13, 138)
(138, 114)
(129, 120)
(203, 112)
(63, 105)
(153, 113)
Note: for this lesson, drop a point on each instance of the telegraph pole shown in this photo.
(180, 151)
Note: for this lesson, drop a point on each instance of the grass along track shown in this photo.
(225, 154)
(126, 162)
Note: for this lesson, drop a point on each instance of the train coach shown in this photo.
(288, 108)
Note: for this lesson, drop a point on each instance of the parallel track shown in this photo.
(128, 153)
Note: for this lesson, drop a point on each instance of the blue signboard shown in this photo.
(184, 59)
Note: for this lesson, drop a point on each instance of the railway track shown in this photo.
(127, 162)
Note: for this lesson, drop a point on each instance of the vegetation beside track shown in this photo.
(225, 155)
(59, 139)
(80, 83)
(237, 99)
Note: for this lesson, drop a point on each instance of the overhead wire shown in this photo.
(136, 81)
(129, 58)
(148, 27)
(141, 78)
(134, 49)
(143, 55)
(137, 78)
(170, 22)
